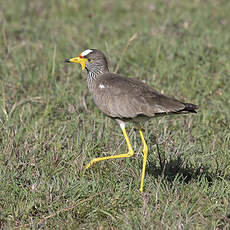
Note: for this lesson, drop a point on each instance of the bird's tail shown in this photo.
(190, 108)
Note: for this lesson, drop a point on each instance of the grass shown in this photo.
(50, 129)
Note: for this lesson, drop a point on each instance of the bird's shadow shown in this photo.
(177, 168)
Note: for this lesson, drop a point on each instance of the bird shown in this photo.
(125, 99)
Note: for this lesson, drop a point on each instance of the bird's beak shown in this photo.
(78, 59)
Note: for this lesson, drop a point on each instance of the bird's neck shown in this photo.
(95, 73)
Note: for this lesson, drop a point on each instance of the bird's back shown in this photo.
(126, 98)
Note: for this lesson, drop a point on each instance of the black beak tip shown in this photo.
(67, 60)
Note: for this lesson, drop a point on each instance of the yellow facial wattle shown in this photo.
(80, 60)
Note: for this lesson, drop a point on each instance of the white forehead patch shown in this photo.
(86, 52)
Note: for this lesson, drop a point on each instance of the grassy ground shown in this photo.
(50, 129)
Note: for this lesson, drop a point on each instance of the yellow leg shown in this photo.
(129, 154)
(145, 151)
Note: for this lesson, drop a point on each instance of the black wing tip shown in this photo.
(191, 107)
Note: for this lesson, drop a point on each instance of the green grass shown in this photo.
(50, 129)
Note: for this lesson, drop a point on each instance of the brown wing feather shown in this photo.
(128, 98)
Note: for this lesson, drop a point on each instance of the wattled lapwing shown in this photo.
(125, 99)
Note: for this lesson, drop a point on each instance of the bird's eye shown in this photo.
(90, 60)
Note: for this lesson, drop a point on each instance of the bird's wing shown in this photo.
(128, 98)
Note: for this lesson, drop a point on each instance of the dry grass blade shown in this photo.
(63, 210)
(85, 104)
(54, 58)
(22, 102)
(3, 106)
(124, 50)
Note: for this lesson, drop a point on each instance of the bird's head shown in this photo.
(91, 59)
